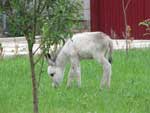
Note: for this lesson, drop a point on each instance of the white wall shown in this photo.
(9, 45)
(86, 6)
(86, 12)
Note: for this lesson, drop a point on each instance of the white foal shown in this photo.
(88, 45)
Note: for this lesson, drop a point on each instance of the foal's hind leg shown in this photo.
(106, 72)
(106, 78)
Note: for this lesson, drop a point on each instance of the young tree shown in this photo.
(126, 26)
(54, 16)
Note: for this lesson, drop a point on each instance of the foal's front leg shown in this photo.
(74, 72)
(70, 76)
(78, 74)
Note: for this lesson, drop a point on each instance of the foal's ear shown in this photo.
(49, 59)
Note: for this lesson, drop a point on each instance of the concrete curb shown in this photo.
(18, 46)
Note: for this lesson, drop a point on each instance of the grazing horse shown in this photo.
(88, 45)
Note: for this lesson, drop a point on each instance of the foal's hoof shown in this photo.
(79, 86)
(100, 89)
(68, 86)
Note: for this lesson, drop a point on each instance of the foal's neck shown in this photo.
(61, 60)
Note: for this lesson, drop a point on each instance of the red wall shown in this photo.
(108, 14)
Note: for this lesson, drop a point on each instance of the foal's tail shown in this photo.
(110, 51)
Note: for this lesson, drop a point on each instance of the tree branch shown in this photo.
(38, 59)
(40, 73)
(127, 4)
(44, 5)
(39, 4)
(35, 21)
(37, 48)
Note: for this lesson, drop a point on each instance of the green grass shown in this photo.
(129, 92)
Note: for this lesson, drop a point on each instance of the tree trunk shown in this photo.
(125, 25)
(34, 82)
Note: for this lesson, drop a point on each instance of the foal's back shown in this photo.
(88, 43)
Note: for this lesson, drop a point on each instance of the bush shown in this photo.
(58, 14)
(146, 24)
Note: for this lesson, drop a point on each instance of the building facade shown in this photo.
(107, 15)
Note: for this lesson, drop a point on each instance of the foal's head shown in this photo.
(54, 71)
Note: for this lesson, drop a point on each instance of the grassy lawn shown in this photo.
(129, 92)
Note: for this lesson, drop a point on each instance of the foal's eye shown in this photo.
(52, 74)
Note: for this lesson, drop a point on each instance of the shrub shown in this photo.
(146, 24)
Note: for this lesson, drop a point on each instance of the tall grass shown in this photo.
(129, 92)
